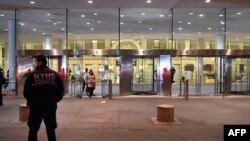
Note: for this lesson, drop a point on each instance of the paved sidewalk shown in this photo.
(129, 119)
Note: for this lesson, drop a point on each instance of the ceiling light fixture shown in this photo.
(44, 33)
(34, 29)
(98, 21)
(239, 13)
(161, 15)
(122, 16)
(149, 1)
(209, 28)
(92, 29)
(121, 23)
(207, 1)
(180, 28)
(188, 23)
(82, 16)
(221, 15)
(48, 14)
(88, 23)
(2, 15)
(90, 1)
(139, 22)
(191, 13)
(95, 14)
(150, 28)
(143, 14)
(32, 2)
(201, 15)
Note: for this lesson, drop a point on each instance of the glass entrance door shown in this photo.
(143, 76)
(240, 76)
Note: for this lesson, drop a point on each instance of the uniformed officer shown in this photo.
(43, 89)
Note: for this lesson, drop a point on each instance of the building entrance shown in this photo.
(143, 76)
(137, 75)
(240, 76)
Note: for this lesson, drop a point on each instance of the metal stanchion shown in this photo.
(110, 89)
(186, 90)
(180, 87)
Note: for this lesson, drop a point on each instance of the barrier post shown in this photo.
(110, 89)
(186, 90)
(180, 87)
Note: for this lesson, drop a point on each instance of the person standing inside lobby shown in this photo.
(43, 88)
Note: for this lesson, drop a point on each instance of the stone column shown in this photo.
(11, 54)
(47, 42)
(219, 44)
(200, 60)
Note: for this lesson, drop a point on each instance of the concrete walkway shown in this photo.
(129, 119)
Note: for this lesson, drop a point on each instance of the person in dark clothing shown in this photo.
(172, 74)
(2, 81)
(43, 88)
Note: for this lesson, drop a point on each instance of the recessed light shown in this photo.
(121, 23)
(5, 29)
(239, 13)
(55, 23)
(221, 15)
(2, 15)
(63, 29)
(95, 14)
(122, 16)
(32, 2)
(199, 32)
(139, 22)
(201, 15)
(161, 15)
(143, 14)
(180, 28)
(207, 1)
(22, 24)
(92, 29)
(90, 1)
(222, 22)
(247, 37)
(149, 1)
(209, 28)
(98, 21)
(179, 22)
(82, 16)
(34, 29)
(44, 33)
(191, 13)
(188, 23)
(88, 23)
(59, 22)
(48, 14)
(150, 28)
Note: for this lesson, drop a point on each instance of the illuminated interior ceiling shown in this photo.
(155, 23)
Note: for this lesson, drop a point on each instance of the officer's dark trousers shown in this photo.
(48, 115)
